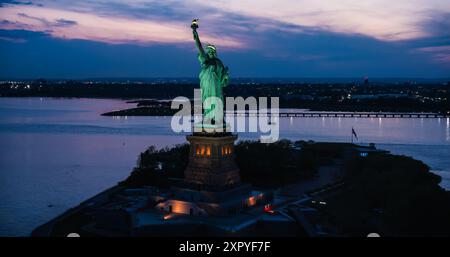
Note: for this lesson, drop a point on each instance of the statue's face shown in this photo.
(211, 53)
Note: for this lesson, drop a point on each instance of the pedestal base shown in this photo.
(211, 128)
(211, 160)
(211, 184)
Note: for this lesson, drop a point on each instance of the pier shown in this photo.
(345, 114)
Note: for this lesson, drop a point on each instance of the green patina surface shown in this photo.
(213, 77)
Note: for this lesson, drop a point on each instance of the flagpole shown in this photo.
(352, 134)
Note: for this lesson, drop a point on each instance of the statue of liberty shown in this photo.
(213, 77)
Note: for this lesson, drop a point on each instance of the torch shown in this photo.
(194, 24)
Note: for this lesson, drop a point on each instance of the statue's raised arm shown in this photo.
(194, 27)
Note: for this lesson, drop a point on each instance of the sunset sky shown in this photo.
(255, 38)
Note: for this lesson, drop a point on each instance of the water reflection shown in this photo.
(447, 131)
(61, 151)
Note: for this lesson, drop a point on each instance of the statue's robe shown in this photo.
(213, 77)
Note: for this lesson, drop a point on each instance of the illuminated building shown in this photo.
(211, 184)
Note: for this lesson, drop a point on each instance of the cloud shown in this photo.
(15, 2)
(274, 37)
(440, 53)
(311, 55)
(381, 19)
(13, 39)
(64, 23)
(102, 28)
(227, 22)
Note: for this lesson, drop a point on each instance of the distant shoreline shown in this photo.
(355, 96)
(238, 79)
(154, 107)
(165, 110)
(149, 111)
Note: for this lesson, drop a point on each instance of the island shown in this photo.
(318, 189)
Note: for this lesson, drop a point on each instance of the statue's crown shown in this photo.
(211, 47)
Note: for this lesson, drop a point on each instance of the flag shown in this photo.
(354, 134)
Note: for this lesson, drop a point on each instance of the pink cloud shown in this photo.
(385, 20)
(439, 53)
(11, 39)
(108, 29)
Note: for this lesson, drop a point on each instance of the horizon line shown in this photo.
(133, 78)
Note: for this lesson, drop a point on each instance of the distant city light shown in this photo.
(268, 209)
(168, 216)
(252, 201)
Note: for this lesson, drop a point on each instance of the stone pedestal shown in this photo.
(211, 184)
(211, 160)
